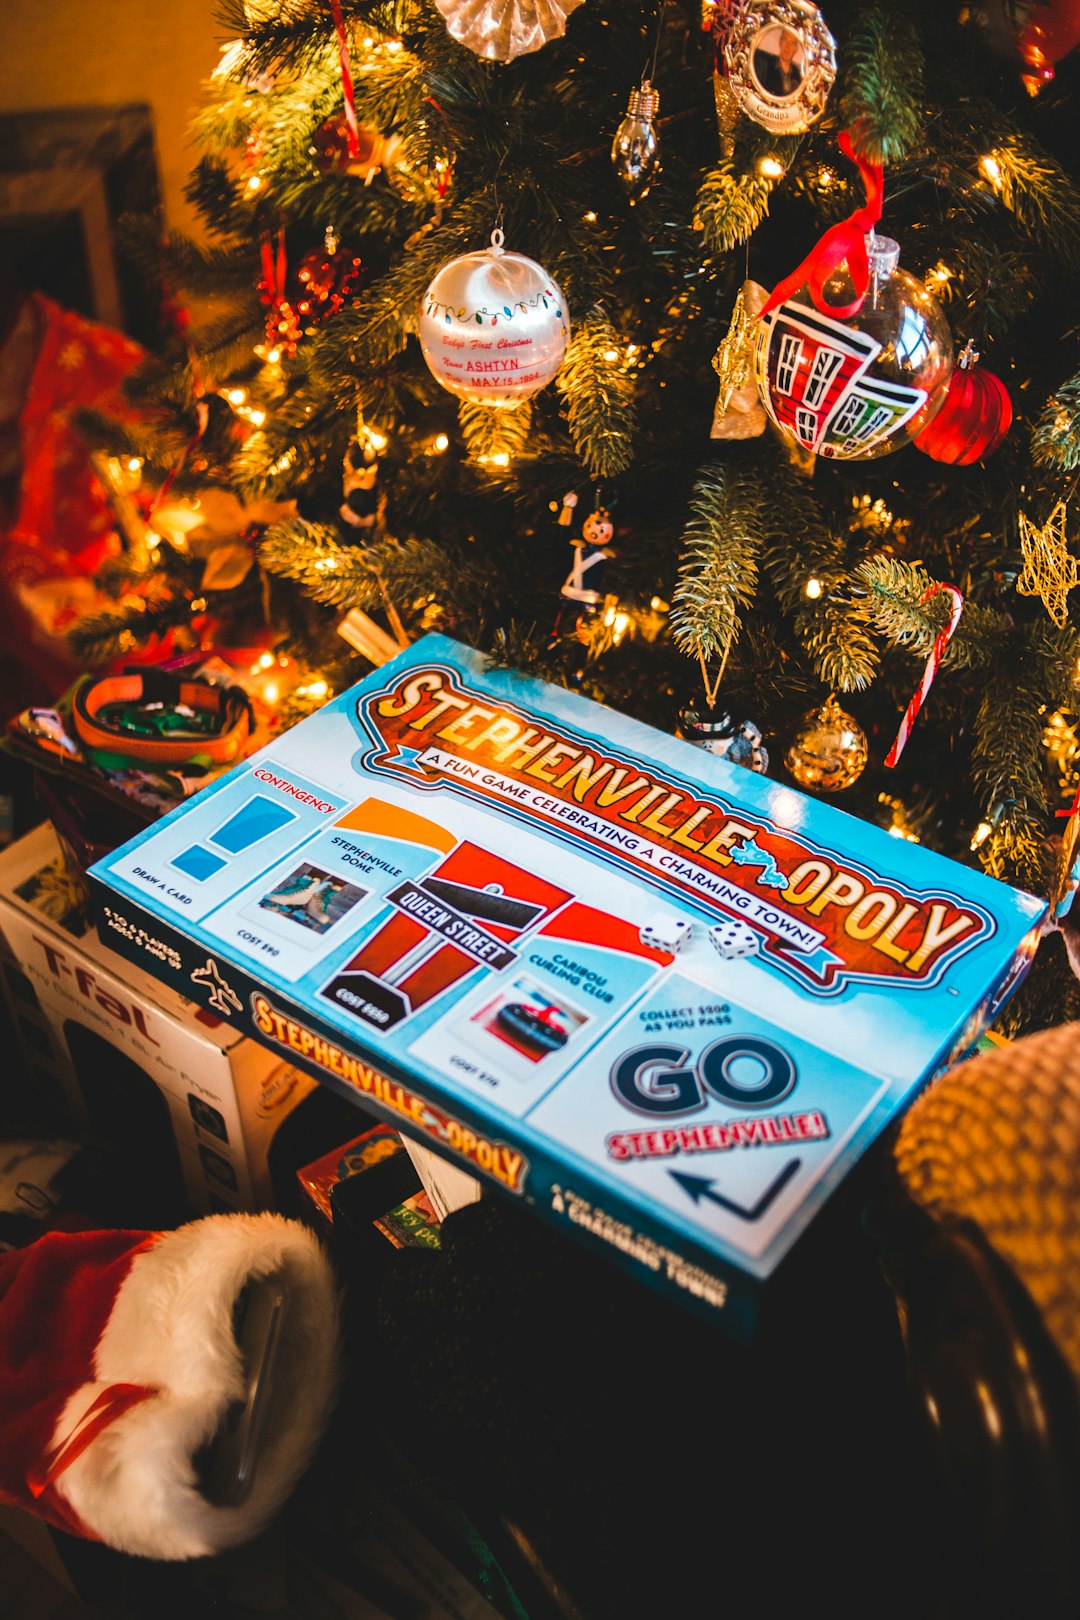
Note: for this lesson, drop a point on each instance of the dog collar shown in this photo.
(162, 718)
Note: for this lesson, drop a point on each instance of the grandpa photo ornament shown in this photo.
(780, 63)
(493, 326)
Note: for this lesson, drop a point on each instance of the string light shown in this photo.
(991, 169)
(771, 168)
(441, 442)
(618, 623)
(981, 834)
(938, 277)
(236, 396)
(255, 182)
(900, 825)
(813, 589)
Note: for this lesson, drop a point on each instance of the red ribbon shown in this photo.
(845, 241)
(111, 1404)
(348, 93)
(274, 266)
(1074, 807)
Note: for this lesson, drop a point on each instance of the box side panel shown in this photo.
(512, 1160)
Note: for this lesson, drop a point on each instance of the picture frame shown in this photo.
(781, 63)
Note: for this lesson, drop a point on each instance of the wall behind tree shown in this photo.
(113, 52)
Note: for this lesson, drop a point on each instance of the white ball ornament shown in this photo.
(493, 326)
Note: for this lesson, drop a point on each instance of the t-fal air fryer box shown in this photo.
(193, 1106)
(666, 1002)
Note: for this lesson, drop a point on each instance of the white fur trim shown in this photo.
(171, 1327)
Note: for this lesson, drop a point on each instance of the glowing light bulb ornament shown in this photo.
(854, 355)
(635, 151)
(493, 326)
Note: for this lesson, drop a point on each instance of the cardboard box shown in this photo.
(667, 1002)
(194, 1106)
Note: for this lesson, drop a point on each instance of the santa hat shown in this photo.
(121, 1365)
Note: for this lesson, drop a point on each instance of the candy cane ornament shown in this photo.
(941, 641)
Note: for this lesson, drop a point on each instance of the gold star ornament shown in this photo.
(1049, 571)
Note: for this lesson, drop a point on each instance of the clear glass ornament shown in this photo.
(500, 30)
(829, 751)
(635, 151)
(858, 388)
(493, 326)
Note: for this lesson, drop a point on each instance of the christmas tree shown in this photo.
(361, 491)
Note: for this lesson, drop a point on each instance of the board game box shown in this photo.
(665, 1001)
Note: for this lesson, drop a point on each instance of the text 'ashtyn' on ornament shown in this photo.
(635, 151)
(829, 750)
(780, 62)
(493, 326)
(719, 733)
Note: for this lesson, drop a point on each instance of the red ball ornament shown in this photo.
(329, 279)
(974, 418)
(330, 148)
(1045, 35)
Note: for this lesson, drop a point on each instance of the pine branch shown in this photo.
(598, 387)
(1055, 441)
(1040, 195)
(838, 640)
(882, 84)
(495, 437)
(895, 605)
(718, 568)
(313, 556)
(730, 206)
(100, 638)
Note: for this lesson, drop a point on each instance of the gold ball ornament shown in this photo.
(493, 326)
(829, 750)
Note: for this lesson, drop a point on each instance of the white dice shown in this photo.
(733, 938)
(664, 932)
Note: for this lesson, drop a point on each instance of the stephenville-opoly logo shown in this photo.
(823, 921)
(505, 1164)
